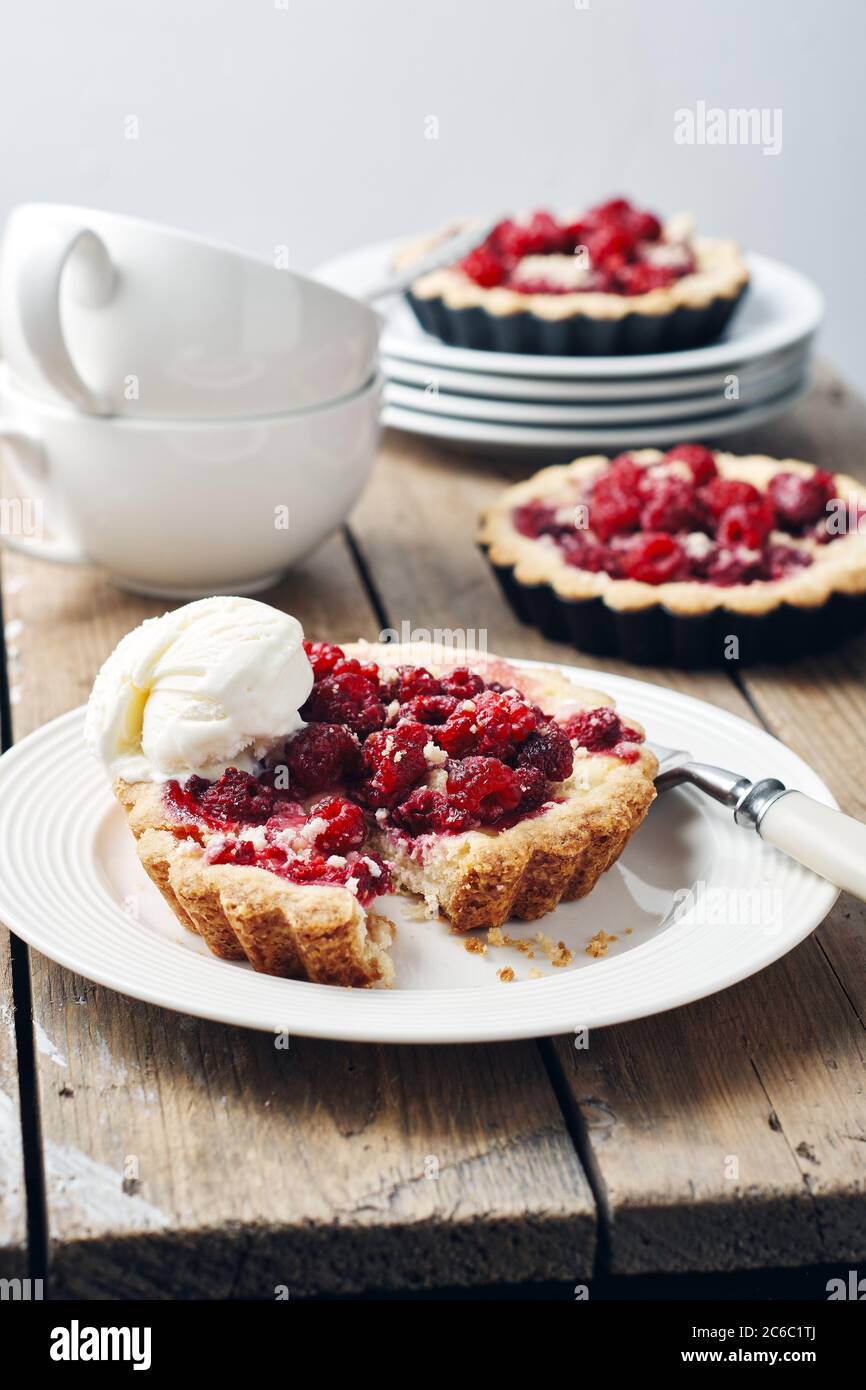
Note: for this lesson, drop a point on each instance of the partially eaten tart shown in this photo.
(487, 791)
(607, 281)
(669, 557)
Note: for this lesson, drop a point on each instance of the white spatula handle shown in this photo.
(830, 843)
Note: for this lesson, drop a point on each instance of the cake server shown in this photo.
(826, 841)
(450, 249)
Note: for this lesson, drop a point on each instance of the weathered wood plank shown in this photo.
(183, 1158)
(819, 709)
(670, 1102)
(729, 1134)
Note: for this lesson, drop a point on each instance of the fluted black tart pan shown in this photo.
(657, 636)
(579, 335)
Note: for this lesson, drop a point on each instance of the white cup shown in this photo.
(182, 508)
(118, 316)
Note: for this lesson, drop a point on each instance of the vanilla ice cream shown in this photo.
(213, 685)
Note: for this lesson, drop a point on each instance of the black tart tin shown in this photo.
(656, 636)
(577, 336)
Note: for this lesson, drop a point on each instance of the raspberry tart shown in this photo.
(607, 281)
(487, 791)
(666, 557)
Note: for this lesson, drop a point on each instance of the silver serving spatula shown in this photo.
(450, 249)
(826, 841)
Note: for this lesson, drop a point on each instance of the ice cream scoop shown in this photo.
(214, 684)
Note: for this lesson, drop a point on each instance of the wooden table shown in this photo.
(170, 1157)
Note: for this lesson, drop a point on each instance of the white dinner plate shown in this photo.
(606, 415)
(695, 904)
(554, 442)
(561, 392)
(782, 308)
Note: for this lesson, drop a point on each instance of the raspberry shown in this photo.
(369, 669)
(613, 209)
(410, 682)
(502, 721)
(426, 810)
(779, 561)
(369, 883)
(549, 750)
(323, 657)
(745, 524)
(316, 869)
(536, 519)
(800, 500)
(720, 493)
(484, 267)
(484, 787)
(232, 852)
(459, 733)
(641, 278)
(655, 558)
(346, 828)
(395, 761)
(670, 505)
(462, 683)
(497, 723)
(350, 698)
(322, 755)
(608, 243)
(430, 709)
(625, 471)
(544, 235)
(584, 554)
(700, 460)
(511, 241)
(645, 227)
(599, 730)
(725, 567)
(184, 802)
(312, 870)
(533, 787)
(613, 507)
(237, 798)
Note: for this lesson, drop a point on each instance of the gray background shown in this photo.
(302, 122)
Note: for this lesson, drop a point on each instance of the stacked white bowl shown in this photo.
(188, 417)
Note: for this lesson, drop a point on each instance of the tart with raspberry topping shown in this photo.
(486, 790)
(607, 281)
(667, 557)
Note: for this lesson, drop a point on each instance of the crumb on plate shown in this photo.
(598, 944)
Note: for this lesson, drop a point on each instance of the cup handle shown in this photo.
(30, 456)
(93, 279)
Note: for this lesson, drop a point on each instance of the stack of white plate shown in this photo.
(495, 402)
